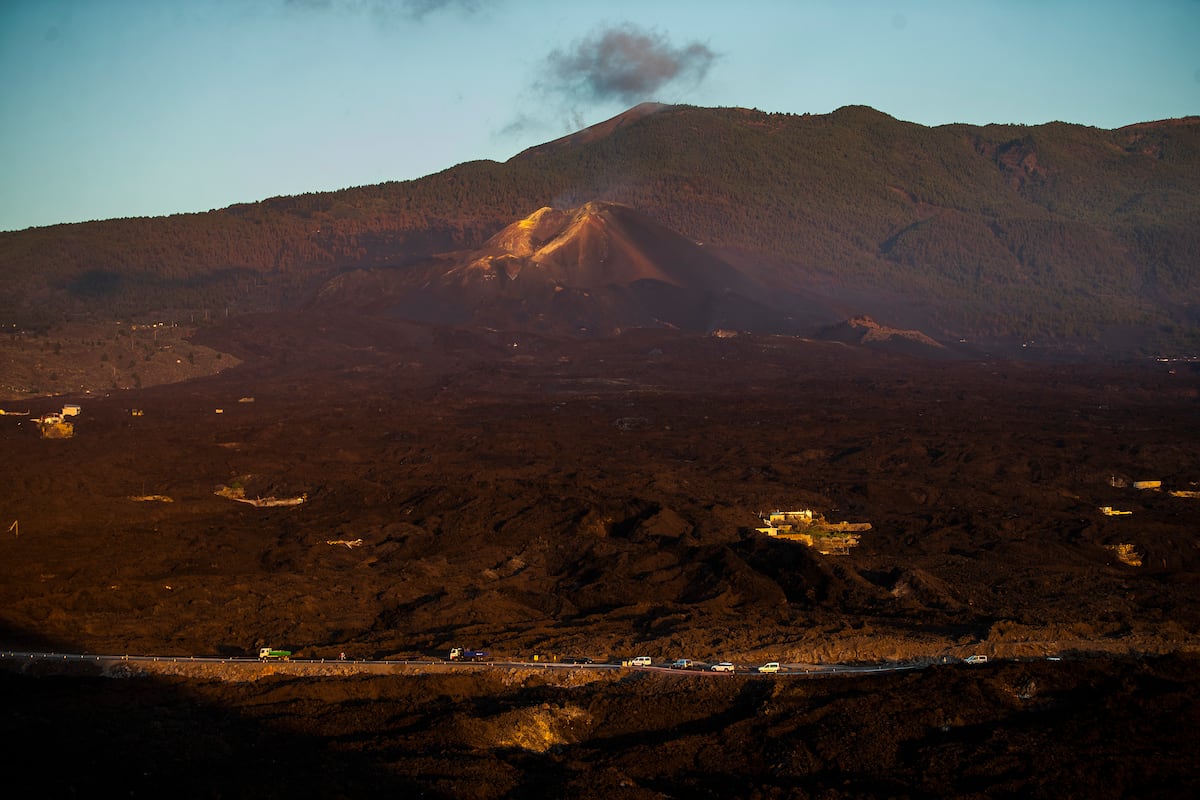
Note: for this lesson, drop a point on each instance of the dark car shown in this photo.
(577, 660)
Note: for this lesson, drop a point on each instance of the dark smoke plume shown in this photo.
(624, 63)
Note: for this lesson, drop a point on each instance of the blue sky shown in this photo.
(119, 108)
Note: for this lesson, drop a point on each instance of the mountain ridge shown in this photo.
(1078, 236)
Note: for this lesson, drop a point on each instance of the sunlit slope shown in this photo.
(592, 270)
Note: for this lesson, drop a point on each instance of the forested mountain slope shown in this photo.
(1053, 232)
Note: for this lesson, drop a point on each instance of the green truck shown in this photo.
(266, 653)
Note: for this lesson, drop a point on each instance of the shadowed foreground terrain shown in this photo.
(1093, 728)
(537, 496)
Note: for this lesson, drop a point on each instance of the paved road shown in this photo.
(335, 666)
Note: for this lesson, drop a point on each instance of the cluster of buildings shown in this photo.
(812, 529)
(59, 425)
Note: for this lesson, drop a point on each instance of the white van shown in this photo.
(770, 666)
(976, 659)
(640, 661)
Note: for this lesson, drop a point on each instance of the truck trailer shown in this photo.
(461, 654)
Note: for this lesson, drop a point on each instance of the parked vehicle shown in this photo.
(976, 659)
(723, 666)
(681, 663)
(639, 661)
(461, 654)
(577, 660)
(770, 666)
(266, 653)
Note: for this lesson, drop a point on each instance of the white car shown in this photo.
(770, 666)
(640, 661)
(976, 659)
(682, 663)
(724, 666)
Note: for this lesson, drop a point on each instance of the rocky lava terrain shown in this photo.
(538, 495)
